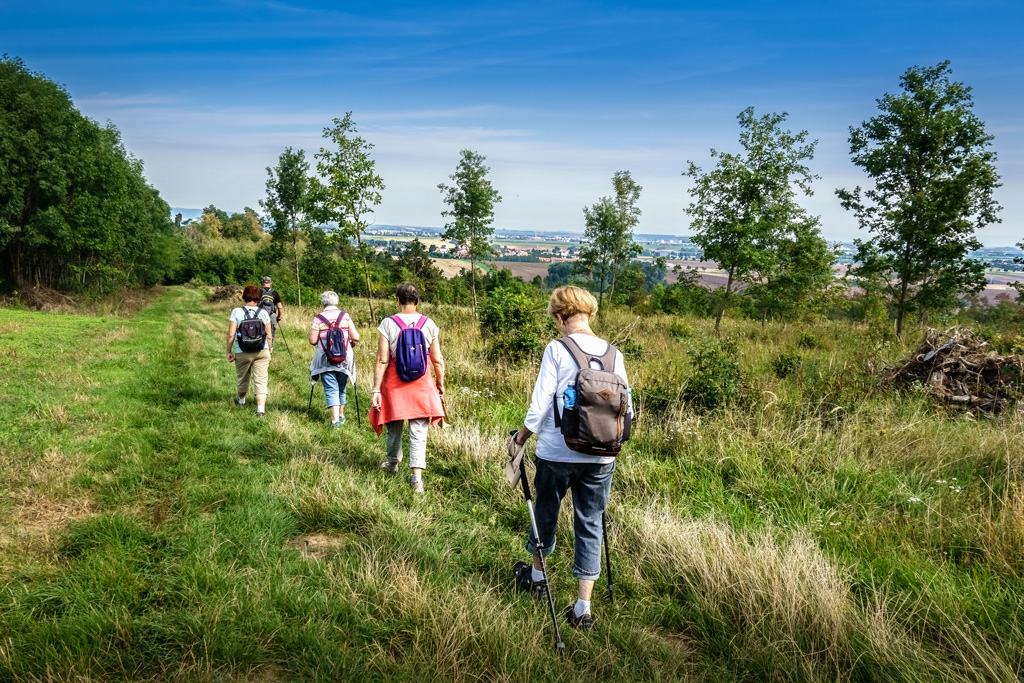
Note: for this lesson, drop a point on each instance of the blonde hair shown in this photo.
(570, 300)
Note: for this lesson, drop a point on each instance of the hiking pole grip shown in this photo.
(312, 385)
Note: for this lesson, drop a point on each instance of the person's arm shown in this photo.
(280, 306)
(438, 361)
(383, 358)
(353, 333)
(314, 332)
(270, 330)
(232, 328)
(542, 400)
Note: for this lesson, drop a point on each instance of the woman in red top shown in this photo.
(394, 400)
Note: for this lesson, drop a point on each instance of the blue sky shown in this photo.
(558, 96)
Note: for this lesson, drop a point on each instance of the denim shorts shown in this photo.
(334, 387)
(590, 484)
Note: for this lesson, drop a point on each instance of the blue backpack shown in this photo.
(411, 351)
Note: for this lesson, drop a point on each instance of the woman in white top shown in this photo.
(560, 469)
(250, 364)
(396, 400)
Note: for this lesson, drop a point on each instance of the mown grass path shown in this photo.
(205, 543)
(150, 530)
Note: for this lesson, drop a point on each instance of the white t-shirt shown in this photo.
(390, 329)
(557, 369)
(238, 315)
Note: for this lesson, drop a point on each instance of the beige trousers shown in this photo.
(254, 364)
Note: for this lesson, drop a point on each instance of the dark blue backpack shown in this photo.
(411, 352)
(251, 333)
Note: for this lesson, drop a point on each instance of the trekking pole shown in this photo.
(285, 340)
(355, 390)
(540, 552)
(607, 558)
(312, 385)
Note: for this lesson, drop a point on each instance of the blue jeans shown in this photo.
(590, 485)
(334, 387)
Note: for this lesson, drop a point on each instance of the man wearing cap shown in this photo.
(270, 301)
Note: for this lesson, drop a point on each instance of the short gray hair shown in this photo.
(329, 298)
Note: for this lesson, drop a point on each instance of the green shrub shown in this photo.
(716, 380)
(680, 330)
(807, 340)
(509, 325)
(785, 364)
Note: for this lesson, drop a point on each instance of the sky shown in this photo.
(558, 96)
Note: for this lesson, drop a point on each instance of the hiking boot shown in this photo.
(417, 485)
(391, 467)
(238, 401)
(260, 413)
(523, 574)
(584, 622)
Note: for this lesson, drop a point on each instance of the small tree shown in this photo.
(627, 194)
(471, 199)
(933, 172)
(608, 235)
(746, 205)
(287, 202)
(348, 188)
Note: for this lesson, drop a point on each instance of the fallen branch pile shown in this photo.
(232, 292)
(957, 367)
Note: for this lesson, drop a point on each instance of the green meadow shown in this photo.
(818, 528)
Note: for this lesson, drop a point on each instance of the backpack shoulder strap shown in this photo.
(581, 359)
(608, 359)
(323, 319)
(398, 321)
(254, 314)
(421, 322)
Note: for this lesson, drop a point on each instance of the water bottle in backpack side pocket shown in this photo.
(569, 397)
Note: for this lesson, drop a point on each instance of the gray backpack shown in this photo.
(596, 419)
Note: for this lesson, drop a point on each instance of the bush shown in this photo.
(785, 364)
(510, 326)
(807, 341)
(716, 380)
(680, 330)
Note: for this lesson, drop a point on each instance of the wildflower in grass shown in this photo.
(914, 499)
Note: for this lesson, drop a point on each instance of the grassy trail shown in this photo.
(150, 530)
(206, 544)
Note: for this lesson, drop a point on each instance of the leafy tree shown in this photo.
(608, 233)
(471, 199)
(627, 194)
(349, 188)
(799, 276)
(933, 171)
(288, 201)
(1020, 261)
(75, 209)
(319, 266)
(596, 254)
(416, 261)
(745, 206)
